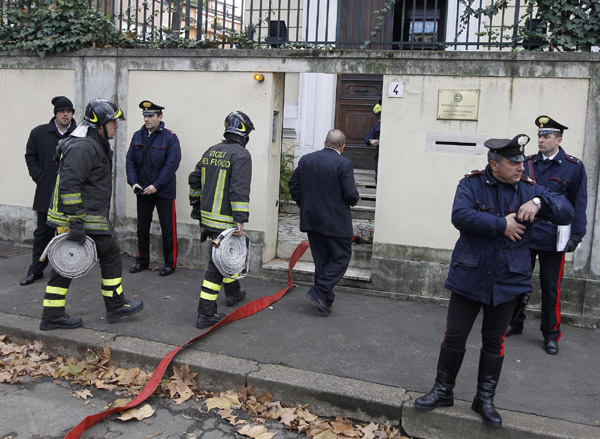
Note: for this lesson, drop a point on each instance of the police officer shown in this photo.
(372, 137)
(152, 160)
(490, 268)
(80, 205)
(562, 173)
(220, 197)
(41, 149)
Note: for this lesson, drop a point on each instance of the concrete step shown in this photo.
(304, 272)
(361, 253)
(360, 212)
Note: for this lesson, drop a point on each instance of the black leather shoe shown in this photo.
(551, 347)
(320, 304)
(232, 300)
(512, 330)
(127, 309)
(137, 268)
(208, 321)
(166, 271)
(30, 278)
(65, 321)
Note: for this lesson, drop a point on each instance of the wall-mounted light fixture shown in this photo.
(259, 77)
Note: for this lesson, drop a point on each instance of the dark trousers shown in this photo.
(331, 256)
(111, 268)
(551, 272)
(168, 227)
(462, 313)
(211, 285)
(41, 237)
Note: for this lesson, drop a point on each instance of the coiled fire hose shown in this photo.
(231, 254)
(69, 258)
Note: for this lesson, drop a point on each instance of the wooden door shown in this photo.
(357, 19)
(356, 95)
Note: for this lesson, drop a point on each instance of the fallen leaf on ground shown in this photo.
(218, 402)
(143, 412)
(158, 433)
(82, 394)
(256, 432)
(369, 431)
(327, 434)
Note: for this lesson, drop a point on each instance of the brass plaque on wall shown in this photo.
(458, 104)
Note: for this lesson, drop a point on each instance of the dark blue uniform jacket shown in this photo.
(565, 175)
(153, 160)
(373, 133)
(323, 187)
(486, 266)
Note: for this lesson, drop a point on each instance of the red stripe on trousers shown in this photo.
(557, 309)
(174, 237)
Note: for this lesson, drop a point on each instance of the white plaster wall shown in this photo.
(25, 96)
(416, 188)
(190, 100)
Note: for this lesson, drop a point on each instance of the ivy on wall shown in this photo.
(562, 25)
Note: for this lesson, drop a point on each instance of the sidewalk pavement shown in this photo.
(364, 361)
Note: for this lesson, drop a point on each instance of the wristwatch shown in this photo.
(537, 202)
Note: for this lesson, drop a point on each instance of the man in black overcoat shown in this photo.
(39, 156)
(323, 187)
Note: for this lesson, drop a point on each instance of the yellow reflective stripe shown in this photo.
(240, 206)
(208, 296)
(202, 176)
(108, 293)
(80, 216)
(219, 192)
(217, 224)
(71, 198)
(228, 280)
(56, 290)
(210, 285)
(54, 303)
(112, 282)
(119, 290)
(209, 215)
(195, 192)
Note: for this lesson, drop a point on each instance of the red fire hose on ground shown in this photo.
(241, 313)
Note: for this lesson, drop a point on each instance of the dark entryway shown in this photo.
(355, 97)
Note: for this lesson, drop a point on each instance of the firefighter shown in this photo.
(220, 196)
(80, 205)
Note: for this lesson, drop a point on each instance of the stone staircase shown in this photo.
(363, 214)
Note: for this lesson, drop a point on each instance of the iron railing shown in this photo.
(359, 24)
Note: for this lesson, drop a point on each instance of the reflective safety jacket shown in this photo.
(564, 174)
(84, 183)
(486, 266)
(220, 186)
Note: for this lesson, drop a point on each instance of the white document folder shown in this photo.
(562, 237)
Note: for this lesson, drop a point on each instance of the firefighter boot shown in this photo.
(233, 291)
(57, 318)
(117, 305)
(207, 314)
(442, 394)
(490, 367)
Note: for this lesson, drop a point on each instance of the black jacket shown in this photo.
(220, 186)
(39, 156)
(323, 187)
(84, 183)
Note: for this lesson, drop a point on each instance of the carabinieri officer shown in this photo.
(562, 173)
(152, 160)
(490, 269)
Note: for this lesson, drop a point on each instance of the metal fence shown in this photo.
(358, 24)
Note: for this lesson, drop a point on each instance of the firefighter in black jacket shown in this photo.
(220, 196)
(81, 203)
(41, 148)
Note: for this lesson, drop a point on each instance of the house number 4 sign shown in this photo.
(396, 90)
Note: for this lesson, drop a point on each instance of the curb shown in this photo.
(327, 395)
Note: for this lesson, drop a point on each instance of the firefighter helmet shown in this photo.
(377, 107)
(238, 123)
(99, 111)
